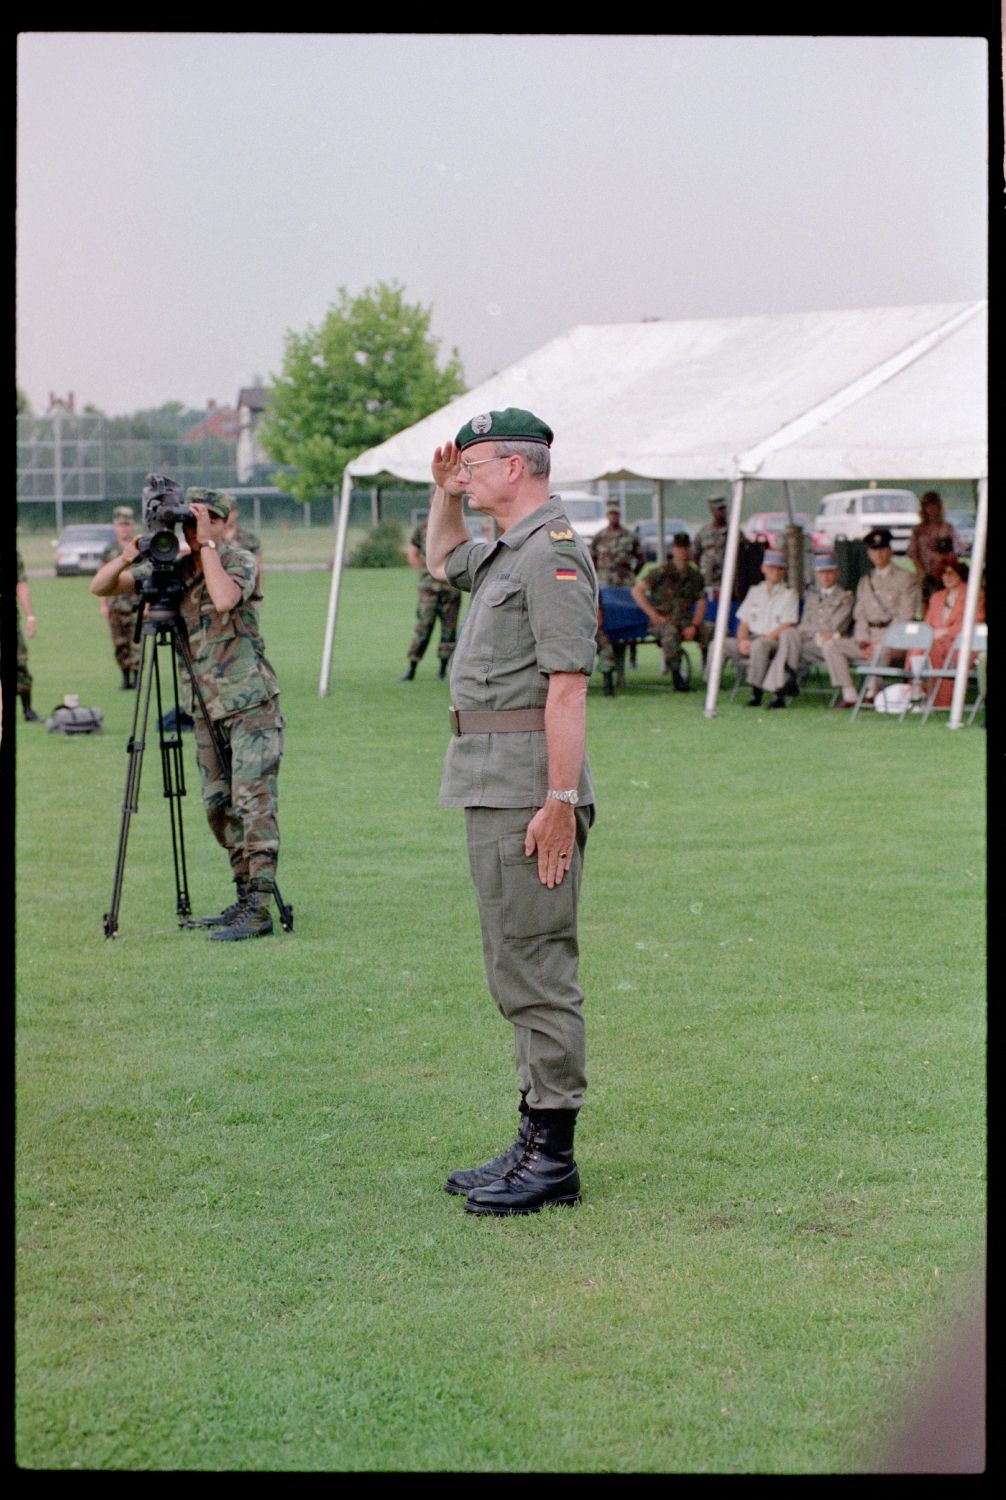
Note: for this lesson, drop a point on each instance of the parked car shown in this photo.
(588, 514)
(79, 549)
(646, 531)
(852, 513)
(770, 526)
(963, 522)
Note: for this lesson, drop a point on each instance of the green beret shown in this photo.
(214, 500)
(510, 426)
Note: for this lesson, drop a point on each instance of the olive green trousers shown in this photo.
(531, 953)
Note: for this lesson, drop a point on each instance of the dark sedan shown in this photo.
(646, 531)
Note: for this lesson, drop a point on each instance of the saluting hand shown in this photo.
(446, 461)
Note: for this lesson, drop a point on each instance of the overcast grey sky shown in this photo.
(185, 198)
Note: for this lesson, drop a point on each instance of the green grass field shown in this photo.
(233, 1247)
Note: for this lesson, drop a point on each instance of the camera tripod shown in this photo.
(161, 630)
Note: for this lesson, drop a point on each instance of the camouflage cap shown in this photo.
(681, 539)
(122, 513)
(878, 537)
(216, 502)
(509, 426)
(716, 502)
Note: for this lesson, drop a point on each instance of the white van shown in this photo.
(850, 514)
(588, 514)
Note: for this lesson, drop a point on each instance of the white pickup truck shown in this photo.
(850, 514)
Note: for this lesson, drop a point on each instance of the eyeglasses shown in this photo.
(465, 467)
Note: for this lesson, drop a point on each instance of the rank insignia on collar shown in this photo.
(562, 536)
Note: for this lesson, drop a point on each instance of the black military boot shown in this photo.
(29, 713)
(125, 684)
(444, 662)
(792, 688)
(408, 675)
(755, 699)
(609, 687)
(778, 700)
(544, 1173)
(229, 913)
(253, 920)
(680, 685)
(463, 1180)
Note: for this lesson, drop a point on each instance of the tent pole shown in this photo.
(661, 509)
(726, 595)
(956, 718)
(333, 597)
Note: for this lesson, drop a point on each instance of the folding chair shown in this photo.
(812, 677)
(936, 675)
(901, 635)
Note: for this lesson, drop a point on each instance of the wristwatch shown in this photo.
(212, 545)
(571, 797)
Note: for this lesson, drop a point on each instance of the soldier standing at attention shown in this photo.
(674, 601)
(617, 553)
(241, 694)
(709, 547)
(121, 612)
(24, 680)
(437, 601)
(517, 765)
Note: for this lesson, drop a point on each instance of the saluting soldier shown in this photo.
(673, 598)
(710, 545)
(517, 765)
(437, 601)
(827, 612)
(885, 595)
(120, 611)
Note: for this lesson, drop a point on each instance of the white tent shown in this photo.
(872, 393)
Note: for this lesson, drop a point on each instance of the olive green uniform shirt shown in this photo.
(533, 611)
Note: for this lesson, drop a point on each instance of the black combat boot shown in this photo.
(408, 675)
(755, 699)
(126, 682)
(463, 1180)
(609, 686)
(792, 688)
(29, 713)
(229, 913)
(680, 685)
(444, 660)
(544, 1173)
(778, 700)
(253, 920)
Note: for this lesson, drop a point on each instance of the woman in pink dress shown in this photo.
(932, 536)
(946, 615)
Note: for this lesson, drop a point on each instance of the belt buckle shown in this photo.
(455, 720)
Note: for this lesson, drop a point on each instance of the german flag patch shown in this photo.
(566, 573)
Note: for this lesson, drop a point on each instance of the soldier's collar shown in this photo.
(517, 534)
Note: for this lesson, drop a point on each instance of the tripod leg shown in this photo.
(134, 768)
(173, 777)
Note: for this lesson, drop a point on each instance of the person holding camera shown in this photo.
(240, 692)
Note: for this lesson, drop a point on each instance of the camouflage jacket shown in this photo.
(118, 604)
(708, 548)
(673, 592)
(618, 556)
(426, 578)
(228, 652)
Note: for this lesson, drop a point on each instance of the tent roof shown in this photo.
(870, 393)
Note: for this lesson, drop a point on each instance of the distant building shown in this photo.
(251, 458)
(219, 422)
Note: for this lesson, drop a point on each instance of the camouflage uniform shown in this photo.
(23, 675)
(674, 592)
(708, 549)
(122, 620)
(437, 601)
(618, 557)
(241, 695)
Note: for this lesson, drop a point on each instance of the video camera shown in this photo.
(163, 507)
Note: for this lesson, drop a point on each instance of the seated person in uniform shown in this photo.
(767, 611)
(673, 598)
(827, 613)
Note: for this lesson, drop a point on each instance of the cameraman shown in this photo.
(240, 692)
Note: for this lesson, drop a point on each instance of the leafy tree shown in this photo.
(369, 370)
